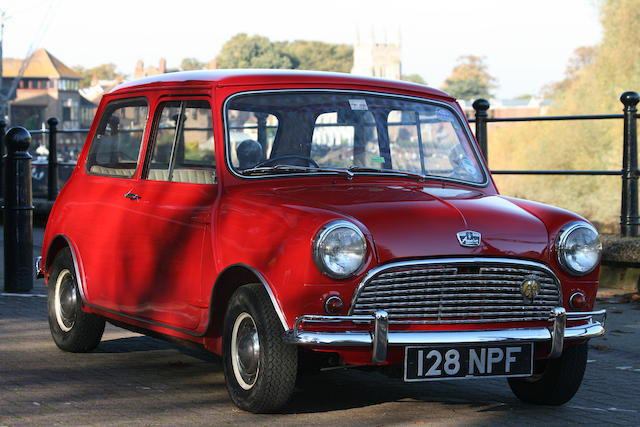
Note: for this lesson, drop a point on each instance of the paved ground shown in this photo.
(136, 380)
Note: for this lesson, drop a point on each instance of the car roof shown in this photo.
(247, 77)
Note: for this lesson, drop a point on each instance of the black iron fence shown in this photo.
(50, 173)
(629, 219)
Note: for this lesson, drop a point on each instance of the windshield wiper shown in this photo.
(294, 169)
(418, 176)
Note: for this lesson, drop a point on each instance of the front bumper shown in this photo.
(381, 337)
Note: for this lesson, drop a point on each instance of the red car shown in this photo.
(291, 221)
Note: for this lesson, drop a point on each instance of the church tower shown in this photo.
(377, 59)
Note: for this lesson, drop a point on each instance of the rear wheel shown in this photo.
(72, 329)
(260, 368)
(555, 381)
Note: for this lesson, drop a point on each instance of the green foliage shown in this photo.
(192, 64)
(470, 79)
(414, 78)
(319, 56)
(244, 51)
(101, 72)
(593, 83)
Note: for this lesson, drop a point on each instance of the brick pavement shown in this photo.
(137, 380)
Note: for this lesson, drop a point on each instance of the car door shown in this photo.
(98, 222)
(172, 204)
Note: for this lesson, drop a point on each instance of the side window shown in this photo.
(183, 146)
(115, 147)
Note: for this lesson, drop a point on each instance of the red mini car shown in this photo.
(296, 220)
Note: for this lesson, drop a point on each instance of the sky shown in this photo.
(527, 43)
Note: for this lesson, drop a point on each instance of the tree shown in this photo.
(101, 72)
(243, 51)
(319, 56)
(414, 78)
(470, 79)
(192, 64)
(582, 57)
(595, 78)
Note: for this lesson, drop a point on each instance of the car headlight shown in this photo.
(339, 249)
(579, 248)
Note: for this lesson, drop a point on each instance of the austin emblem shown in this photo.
(530, 288)
(469, 239)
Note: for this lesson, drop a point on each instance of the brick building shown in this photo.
(48, 88)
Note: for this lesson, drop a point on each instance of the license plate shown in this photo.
(445, 362)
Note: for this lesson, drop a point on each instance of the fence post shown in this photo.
(629, 220)
(52, 167)
(3, 127)
(481, 106)
(18, 213)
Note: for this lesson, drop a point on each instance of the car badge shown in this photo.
(530, 288)
(469, 239)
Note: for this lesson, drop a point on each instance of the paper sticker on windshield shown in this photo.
(376, 159)
(358, 104)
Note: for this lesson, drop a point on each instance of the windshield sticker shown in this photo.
(358, 104)
(376, 159)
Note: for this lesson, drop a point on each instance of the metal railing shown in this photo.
(53, 168)
(629, 219)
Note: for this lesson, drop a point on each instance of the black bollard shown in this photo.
(481, 106)
(18, 213)
(52, 167)
(629, 220)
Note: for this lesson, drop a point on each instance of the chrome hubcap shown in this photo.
(65, 300)
(245, 351)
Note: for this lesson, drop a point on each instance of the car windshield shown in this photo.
(278, 133)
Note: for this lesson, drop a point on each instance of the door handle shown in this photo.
(132, 196)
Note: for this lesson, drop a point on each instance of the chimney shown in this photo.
(139, 71)
(162, 68)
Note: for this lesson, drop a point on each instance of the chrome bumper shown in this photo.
(381, 337)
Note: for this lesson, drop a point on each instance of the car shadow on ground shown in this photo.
(146, 343)
(326, 391)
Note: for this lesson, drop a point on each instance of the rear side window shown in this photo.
(115, 147)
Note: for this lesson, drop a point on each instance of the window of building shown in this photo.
(68, 84)
(183, 146)
(116, 145)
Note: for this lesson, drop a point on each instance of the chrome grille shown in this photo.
(457, 291)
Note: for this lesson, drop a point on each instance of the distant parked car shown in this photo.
(294, 221)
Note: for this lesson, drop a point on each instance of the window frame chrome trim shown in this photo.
(462, 121)
(474, 260)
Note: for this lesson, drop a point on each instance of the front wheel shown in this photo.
(71, 328)
(555, 381)
(259, 367)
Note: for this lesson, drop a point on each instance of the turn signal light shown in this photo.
(577, 300)
(333, 305)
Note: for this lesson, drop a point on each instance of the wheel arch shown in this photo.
(59, 243)
(230, 279)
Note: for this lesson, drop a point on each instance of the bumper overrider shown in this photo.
(379, 337)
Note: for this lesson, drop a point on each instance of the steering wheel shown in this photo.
(287, 156)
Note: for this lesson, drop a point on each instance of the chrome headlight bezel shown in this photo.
(318, 246)
(561, 247)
